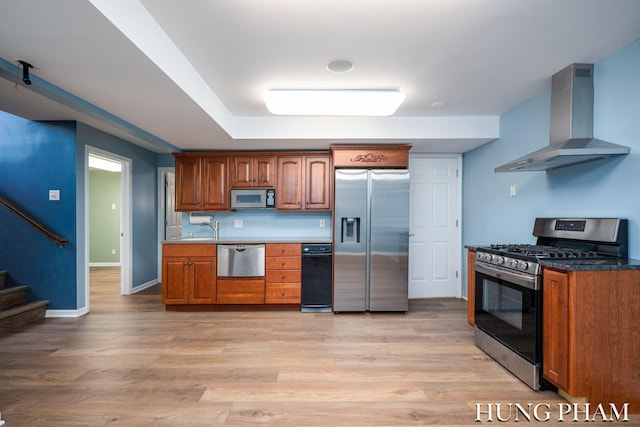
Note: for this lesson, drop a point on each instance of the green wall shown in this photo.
(104, 220)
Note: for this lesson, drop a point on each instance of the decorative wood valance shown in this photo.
(367, 156)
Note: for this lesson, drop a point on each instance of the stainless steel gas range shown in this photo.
(509, 286)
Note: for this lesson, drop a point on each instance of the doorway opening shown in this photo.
(108, 210)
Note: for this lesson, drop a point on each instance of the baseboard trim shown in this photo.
(104, 264)
(67, 313)
(144, 286)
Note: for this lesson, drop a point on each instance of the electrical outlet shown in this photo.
(113, 251)
(237, 223)
(54, 194)
(512, 190)
(322, 222)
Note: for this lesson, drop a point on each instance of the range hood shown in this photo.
(571, 132)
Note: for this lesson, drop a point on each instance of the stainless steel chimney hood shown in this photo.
(571, 132)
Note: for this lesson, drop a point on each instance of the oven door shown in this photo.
(508, 307)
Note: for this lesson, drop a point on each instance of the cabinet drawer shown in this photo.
(189, 249)
(282, 293)
(284, 276)
(283, 263)
(283, 249)
(240, 291)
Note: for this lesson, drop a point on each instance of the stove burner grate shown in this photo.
(540, 251)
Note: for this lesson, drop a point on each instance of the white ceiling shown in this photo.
(191, 73)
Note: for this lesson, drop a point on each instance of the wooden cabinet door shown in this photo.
(241, 171)
(555, 328)
(188, 184)
(289, 187)
(202, 280)
(250, 171)
(471, 288)
(240, 291)
(264, 169)
(175, 279)
(214, 183)
(317, 180)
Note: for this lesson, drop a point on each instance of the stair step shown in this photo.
(20, 315)
(12, 296)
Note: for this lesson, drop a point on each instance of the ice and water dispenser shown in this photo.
(350, 230)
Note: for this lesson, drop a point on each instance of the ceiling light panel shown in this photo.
(333, 102)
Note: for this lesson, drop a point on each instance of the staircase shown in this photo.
(15, 311)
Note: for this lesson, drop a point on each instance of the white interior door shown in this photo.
(434, 243)
(173, 219)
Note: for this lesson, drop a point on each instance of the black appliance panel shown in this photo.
(316, 277)
(511, 314)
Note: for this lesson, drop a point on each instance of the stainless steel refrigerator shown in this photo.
(371, 240)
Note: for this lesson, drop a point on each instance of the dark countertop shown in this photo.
(241, 241)
(591, 265)
(584, 264)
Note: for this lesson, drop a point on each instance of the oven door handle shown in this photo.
(526, 280)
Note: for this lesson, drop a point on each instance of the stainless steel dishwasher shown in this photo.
(240, 260)
(316, 277)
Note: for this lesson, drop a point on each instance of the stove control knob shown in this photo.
(499, 260)
(523, 265)
(513, 263)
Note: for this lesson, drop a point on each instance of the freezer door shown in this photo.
(389, 255)
(350, 237)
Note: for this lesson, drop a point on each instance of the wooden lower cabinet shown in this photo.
(471, 287)
(283, 266)
(189, 274)
(190, 282)
(555, 324)
(591, 338)
(240, 290)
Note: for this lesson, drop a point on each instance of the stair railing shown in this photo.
(37, 225)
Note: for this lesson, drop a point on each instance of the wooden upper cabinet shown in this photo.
(214, 183)
(253, 171)
(289, 188)
(201, 183)
(302, 179)
(304, 183)
(189, 184)
(317, 183)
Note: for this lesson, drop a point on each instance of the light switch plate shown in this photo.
(54, 194)
(237, 223)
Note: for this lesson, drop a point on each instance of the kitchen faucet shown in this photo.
(214, 226)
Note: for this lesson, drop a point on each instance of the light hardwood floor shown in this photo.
(130, 363)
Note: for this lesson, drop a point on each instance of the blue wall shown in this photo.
(144, 178)
(35, 158)
(263, 224)
(607, 188)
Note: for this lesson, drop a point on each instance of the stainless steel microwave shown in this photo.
(243, 198)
